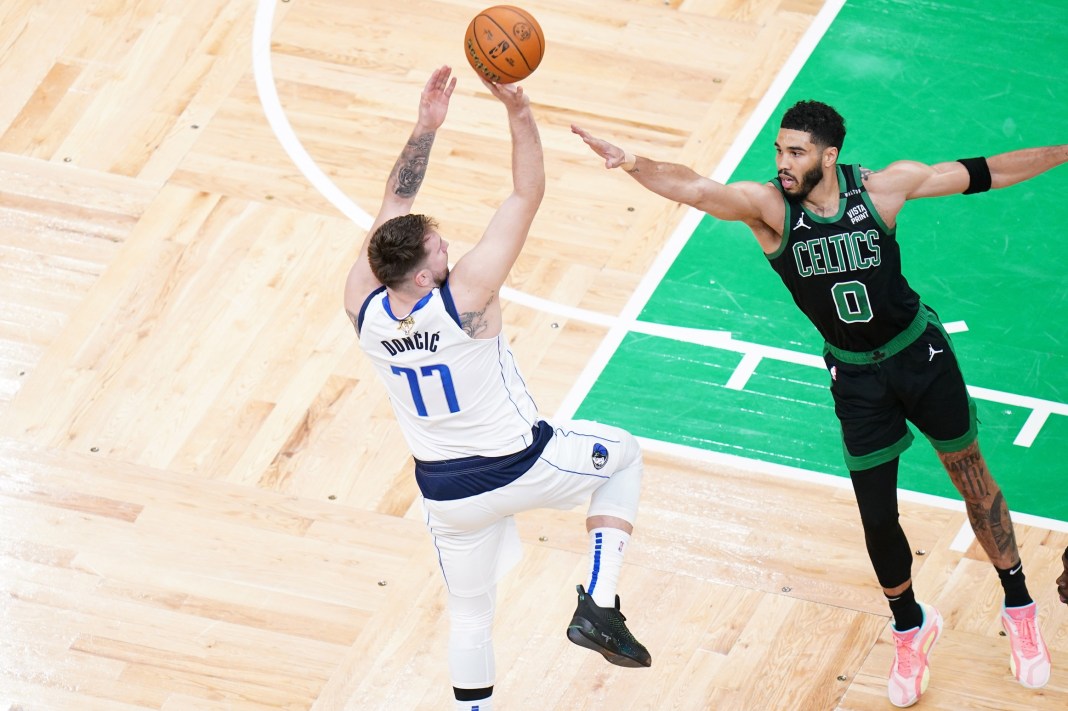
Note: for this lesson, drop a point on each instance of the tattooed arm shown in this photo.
(404, 180)
(407, 175)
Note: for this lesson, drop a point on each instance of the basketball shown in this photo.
(504, 44)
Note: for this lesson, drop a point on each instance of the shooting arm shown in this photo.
(485, 267)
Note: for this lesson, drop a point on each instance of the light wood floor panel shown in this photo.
(205, 504)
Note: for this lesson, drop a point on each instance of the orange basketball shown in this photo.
(504, 44)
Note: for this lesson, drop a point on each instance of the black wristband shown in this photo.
(978, 175)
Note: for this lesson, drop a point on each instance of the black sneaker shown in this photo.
(602, 630)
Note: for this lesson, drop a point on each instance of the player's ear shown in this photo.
(424, 278)
(830, 156)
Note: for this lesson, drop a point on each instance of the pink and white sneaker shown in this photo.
(910, 672)
(1029, 660)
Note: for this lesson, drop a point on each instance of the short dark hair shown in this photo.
(396, 248)
(822, 122)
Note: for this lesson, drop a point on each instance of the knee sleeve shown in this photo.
(618, 495)
(888, 548)
(471, 661)
(890, 553)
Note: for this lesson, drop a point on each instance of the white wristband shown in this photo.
(629, 159)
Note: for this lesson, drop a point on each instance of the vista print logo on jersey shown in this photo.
(857, 213)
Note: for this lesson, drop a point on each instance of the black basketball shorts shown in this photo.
(921, 384)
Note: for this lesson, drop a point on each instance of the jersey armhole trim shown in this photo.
(450, 305)
(869, 204)
(787, 221)
(363, 308)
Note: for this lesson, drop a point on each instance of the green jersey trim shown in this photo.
(896, 344)
(871, 206)
(882, 456)
(787, 221)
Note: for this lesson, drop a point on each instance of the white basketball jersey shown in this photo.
(454, 396)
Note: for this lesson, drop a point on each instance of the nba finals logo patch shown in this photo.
(600, 456)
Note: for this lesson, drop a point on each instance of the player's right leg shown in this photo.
(874, 433)
(471, 662)
(475, 547)
(916, 626)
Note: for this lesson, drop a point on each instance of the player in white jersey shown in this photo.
(428, 363)
(482, 452)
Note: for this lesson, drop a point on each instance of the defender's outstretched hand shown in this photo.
(613, 155)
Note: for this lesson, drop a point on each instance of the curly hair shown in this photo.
(822, 122)
(396, 247)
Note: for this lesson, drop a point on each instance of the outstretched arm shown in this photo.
(908, 180)
(1017, 166)
(479, 274)
(745, 202)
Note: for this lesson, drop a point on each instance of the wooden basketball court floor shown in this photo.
(204, 502)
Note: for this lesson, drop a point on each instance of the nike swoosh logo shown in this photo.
(1016, 570)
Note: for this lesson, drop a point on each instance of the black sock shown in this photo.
(1012, 580)
(907, 612)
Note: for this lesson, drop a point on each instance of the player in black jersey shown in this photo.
(828, 230)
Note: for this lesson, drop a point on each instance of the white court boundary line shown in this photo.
(682, 233)
(628, 321)
(287, 137)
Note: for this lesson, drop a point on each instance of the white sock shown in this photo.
(480, 705)
(607, 546)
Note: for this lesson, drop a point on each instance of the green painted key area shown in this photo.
(927, 81)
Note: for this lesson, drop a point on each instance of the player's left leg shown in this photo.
(598, 623)
(989, 517)
(602, 464)
(946, 414)
(988, 514)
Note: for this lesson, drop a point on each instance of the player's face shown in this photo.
(437, 257)
(799, 162)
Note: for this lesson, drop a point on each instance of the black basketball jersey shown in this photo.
(844, 272)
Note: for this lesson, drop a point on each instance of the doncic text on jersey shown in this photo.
(418, 341)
